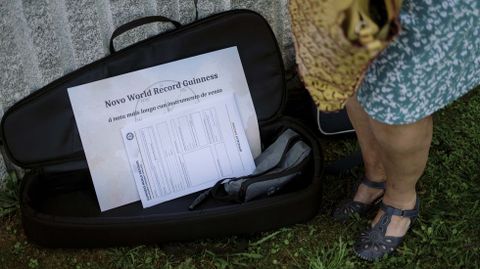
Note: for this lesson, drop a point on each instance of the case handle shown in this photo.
(136, 23)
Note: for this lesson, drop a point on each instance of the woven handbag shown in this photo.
(335, 40)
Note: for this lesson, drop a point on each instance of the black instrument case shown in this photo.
(58, 203)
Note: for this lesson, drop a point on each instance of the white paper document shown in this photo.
(102, 108)
(185, 151)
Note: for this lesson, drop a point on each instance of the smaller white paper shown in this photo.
(187, 150)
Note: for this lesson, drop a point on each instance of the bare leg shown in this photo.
(374, 169)
(404, 152)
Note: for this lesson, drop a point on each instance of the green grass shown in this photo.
(447, 234)
(9, 195)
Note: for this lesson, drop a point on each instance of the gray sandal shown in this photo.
(374, 244)
(348, 208)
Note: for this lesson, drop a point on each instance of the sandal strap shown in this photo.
(373, 184)
(390, 210)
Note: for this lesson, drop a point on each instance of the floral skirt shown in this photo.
(434, 61)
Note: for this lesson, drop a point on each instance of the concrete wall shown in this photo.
(41, 40)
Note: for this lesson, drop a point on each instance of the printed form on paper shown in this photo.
(186, 151)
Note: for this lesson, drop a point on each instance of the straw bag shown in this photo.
(335, 41)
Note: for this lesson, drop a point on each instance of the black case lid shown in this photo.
(40, 130)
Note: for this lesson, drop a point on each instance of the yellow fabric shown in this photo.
(335, 40)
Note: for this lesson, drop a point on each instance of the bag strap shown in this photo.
(298, 158)
(217, 192)
(136, 23)
(267, 161)
(274, 154)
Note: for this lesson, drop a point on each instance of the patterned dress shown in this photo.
(435, 60)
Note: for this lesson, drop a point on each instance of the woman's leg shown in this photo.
(404, 152)
(374, 169)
